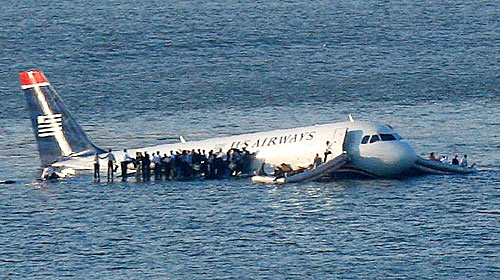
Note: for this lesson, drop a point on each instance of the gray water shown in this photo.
(138, 73)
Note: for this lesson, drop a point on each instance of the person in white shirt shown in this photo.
(328, 150)
(111, 165)
(125, 160)
(157, 161)
(463, 161)
(444, 159)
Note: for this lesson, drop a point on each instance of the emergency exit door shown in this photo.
(338, 141)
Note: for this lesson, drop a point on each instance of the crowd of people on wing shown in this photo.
(455, 161)
(179, 165)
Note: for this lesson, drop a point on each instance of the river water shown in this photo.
(138, 73)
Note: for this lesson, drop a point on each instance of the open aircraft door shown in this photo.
(338, 142)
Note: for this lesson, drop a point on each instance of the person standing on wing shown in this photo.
(157, 162)
(126, 159)
(111, 165)
(146, 168)
(97, 176)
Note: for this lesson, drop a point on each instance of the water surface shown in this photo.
(137, 73)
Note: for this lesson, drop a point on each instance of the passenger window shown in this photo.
(397, 136)
(387, 137)
(365, 139)
(374, 139)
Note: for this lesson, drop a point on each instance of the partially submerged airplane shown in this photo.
(369, 148)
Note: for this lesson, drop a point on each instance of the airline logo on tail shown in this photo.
(49, 125)
(57, 133)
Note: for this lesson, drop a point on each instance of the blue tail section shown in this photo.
(57, 133)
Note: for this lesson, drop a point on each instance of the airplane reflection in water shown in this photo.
(372, 148)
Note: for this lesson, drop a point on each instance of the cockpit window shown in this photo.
(374, 139)
(381, 137)
(387, 137)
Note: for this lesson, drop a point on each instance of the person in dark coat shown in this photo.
(138, 165)
(146, 167)
(165, 165)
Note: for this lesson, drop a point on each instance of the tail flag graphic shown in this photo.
(57, 133)
(49, 125)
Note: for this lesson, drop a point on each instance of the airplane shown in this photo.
(373, 149)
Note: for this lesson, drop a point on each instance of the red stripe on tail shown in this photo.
(25, 79)
(38, 77)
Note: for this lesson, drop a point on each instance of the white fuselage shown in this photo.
(389, 156)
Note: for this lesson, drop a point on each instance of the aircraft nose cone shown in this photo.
(406, 156)
(393, 158)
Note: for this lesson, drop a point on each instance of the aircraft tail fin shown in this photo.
(57, 133)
